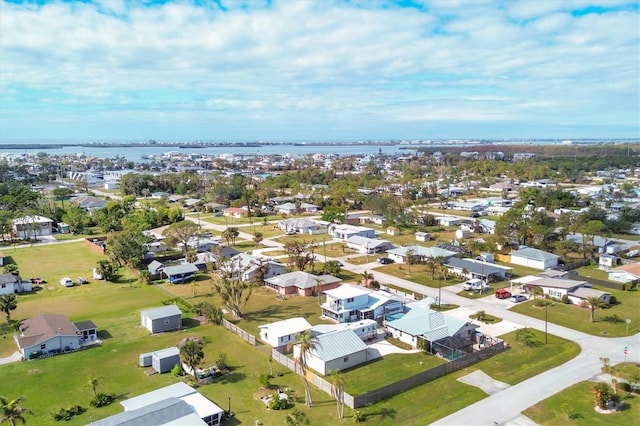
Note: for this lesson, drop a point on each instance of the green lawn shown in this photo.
(447, 395)
(387, 370)
(609, 322)
(575, 405)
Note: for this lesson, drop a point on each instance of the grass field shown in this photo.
(608, 322)
(575, 405)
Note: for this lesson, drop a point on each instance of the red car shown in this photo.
(37, 281)
(503, 294)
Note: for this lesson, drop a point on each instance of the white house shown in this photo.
(249, 266)
(349, 303)
(423, 236)
(287, 208)
(283, 332)
(576, 290)
(399, 254)
(534, 258)
(176, 404)
(368, 245)
(345, 231)
(365, 329)
(335, 351)
(301, 226)
(10, 284)
(32, 226)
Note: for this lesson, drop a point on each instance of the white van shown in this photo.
(472, 284)
(66, 281)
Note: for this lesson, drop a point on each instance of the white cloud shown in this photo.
(339, 61)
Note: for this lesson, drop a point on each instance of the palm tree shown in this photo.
(410, 255)
(192, 354)
(93, 384)
(307, 344)
(319, 284)
(10, 411)
(593, 302)
(337, 381)
(8, 303)
(602, 392)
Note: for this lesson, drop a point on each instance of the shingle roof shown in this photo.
(85, 325)
(44, 327)
(338, 344)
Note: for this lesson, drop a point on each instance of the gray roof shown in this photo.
(162, 312)
(583, 293)
(302, 279)
(158, 413)
(556, 283)
(338, 344)
(167, 352)
(479, 268)
(184, 268)
(85, 325)
(535, 254)
(8, 279)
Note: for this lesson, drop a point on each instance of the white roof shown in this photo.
(177, 390)
(346, 291)
(202, 405)
(287, 326)
(31, 219)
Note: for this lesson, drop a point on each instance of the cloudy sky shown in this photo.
(319, 70)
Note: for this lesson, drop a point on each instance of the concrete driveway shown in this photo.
(16, 356)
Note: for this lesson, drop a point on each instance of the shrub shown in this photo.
(265, 380)
(277, 403)
(176, 371)
(358, 417)
(102, 400)
(67, 414)
(565, 299)
(221, 361)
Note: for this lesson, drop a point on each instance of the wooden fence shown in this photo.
(247, 337)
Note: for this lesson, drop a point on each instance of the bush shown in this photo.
(358, 417)
(176, 371)
(102, 400)
(221, 361)
(265, 380)
(277, 403)
(623, 386)
(67, 414)
(565, 299)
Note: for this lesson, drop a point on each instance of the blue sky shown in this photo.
(319, 70)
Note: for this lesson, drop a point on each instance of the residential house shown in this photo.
(345, 231)
(608, 261)
(448, 221)
(399, 254)
(472, 268)
(216, 208)
(440, 332)
(177, 404)
(301, 226)
(368, 245)
(249, 266)
(308, 208)
(287, 208)
(234, 212)
(301, 283)
(534, 258)
(88, 203)
(200, 243)
(335, 351)
(374, 218)
(283, 332)
(629, 273)
(50, 334)
(576, 290)
(155, 268)
(32, 226)
(486, 226)
(180, 274)
(365, 329)
(165, 318)
(349, 303)
(10, 284)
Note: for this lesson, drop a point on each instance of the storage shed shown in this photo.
(146, 359)
(165, 318)
(164, 359)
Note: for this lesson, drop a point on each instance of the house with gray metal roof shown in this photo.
(534, 258)
(177, 404)
(301, 283)
(436, 328)
(179, 274)
(477, 269)
(335, 351)
(165, 318)
(399, 254)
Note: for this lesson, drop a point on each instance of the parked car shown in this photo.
(37, 280)
(473, 284)
(82, 280)
(517, 298)
(503, 294)
(385, 260)
(66, 281)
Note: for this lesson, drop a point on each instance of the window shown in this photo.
(349, 300)
(4, 286)
(345, 359)
(167, 321)
(43, 346)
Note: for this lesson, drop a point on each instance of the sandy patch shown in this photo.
(483, 381)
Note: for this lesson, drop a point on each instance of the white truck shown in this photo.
(66, 281)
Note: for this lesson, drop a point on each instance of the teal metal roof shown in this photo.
(338, 344)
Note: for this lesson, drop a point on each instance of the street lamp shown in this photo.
(229, 412)
(546, 316)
